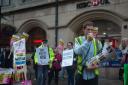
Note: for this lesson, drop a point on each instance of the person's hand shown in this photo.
(92, 66)
(90, 37)
(49, 71)
(55, 59)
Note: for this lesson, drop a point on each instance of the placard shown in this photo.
(67, 59)
(43, 55)
(19, 52)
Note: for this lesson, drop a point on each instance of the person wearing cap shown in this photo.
(42, 70)
(86, 47)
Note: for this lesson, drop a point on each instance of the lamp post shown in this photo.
(56, 21)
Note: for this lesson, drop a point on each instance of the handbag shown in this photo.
(56, 65)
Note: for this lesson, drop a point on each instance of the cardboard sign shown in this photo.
(67, 59)
(19, 52)
(43, 55)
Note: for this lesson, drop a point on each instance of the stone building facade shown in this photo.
(37, 18)
(30, 15)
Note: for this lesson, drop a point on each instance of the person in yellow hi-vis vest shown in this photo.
(86, 47)
(43, 69)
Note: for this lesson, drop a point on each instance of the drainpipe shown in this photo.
(56, 21)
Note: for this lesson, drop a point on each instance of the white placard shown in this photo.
(19, 52)
(43, 55)
(67, 59)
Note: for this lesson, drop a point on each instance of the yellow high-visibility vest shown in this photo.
(79, 41)
(95, 53)
(51, 56)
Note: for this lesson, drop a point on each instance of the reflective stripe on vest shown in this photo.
(51, 55)
(79, 66)
(35, 58)
(79, 58)
(95, 53)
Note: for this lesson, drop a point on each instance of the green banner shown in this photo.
(125, 74)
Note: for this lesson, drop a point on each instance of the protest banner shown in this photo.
(19, 52)
(125, 74)
(43, 55)
(67, 59)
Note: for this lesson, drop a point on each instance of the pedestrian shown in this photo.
(56, 67)
(43, 69)
(2, 58)
(86, 47)
(71, 69)
(34, 65)
(125, 59)
(8, 58)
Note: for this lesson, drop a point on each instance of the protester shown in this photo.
(35, 63)
(43, 69)
(87, 46)
(60, 48)
(71, 69)
(2, 58)
(8, 58)
(56, 67)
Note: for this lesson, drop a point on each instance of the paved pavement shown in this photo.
(109, 82)
(101, 82)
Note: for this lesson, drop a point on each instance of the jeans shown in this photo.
(42, 74)
(71, 73)
(36, 70)
(78, 79)
(62, 72)
(53, 73)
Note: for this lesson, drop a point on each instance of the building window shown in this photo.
(5, 2)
